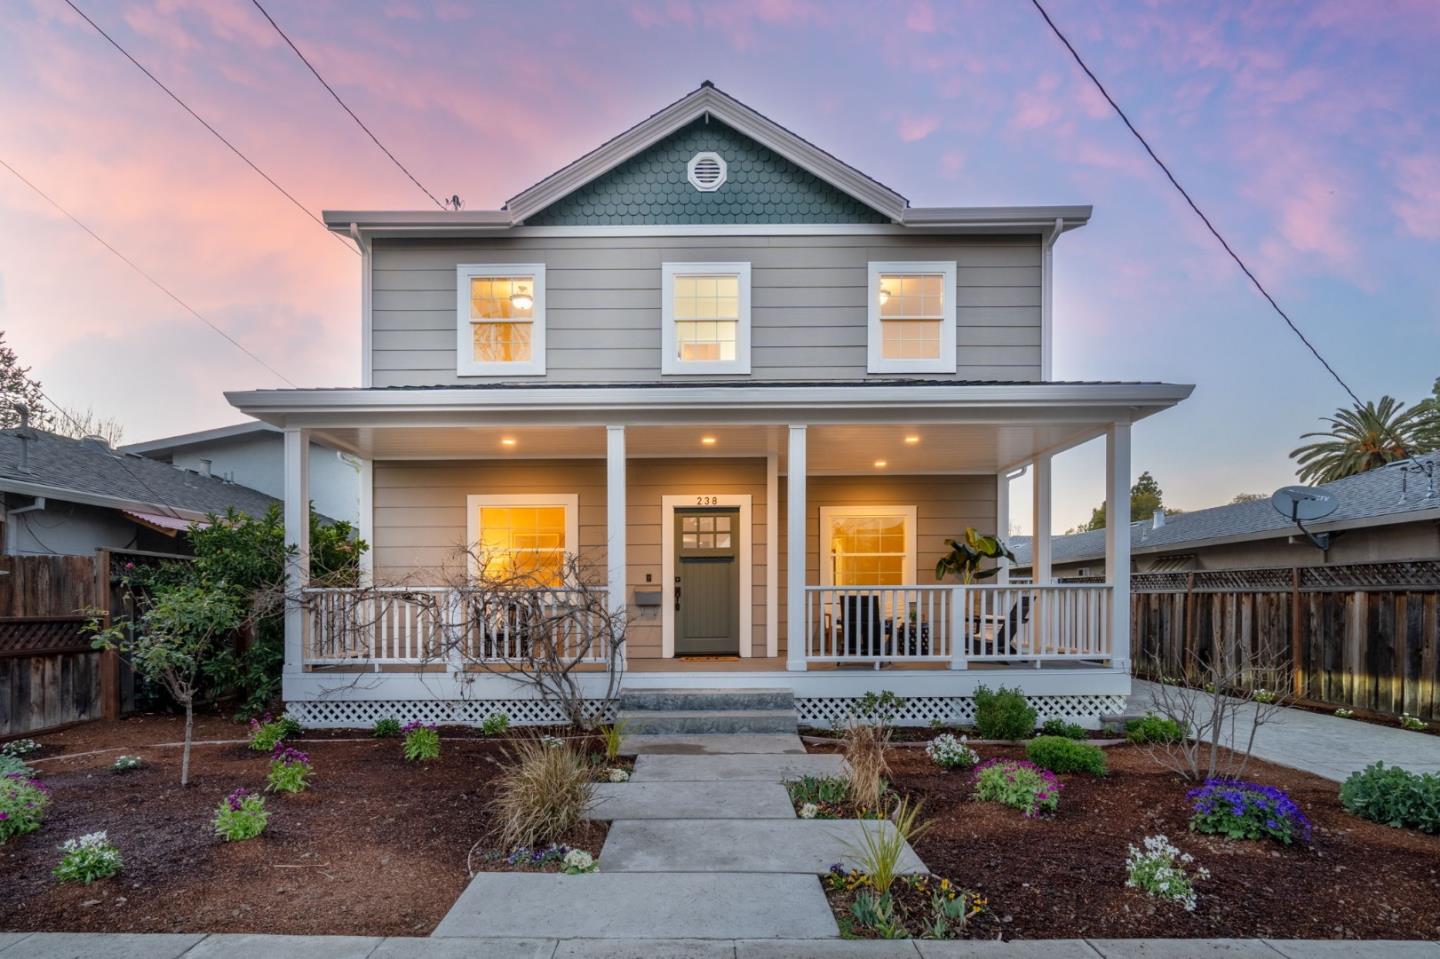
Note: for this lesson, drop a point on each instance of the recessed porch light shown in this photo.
(708, 440)
(912, 440)
(881, 464)
(507, 441)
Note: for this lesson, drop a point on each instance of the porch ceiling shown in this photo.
(903, 448)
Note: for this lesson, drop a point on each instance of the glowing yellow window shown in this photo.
(868, 550)
(912, 312)
(523, 543)
(707, 317)
(502, 317)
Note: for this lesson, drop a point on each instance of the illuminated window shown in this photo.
(868, 545)
(501, 320)
(706, 317)
(525, 539)
(912, 317)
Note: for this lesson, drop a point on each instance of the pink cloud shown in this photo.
(913, 128)
(1417, 177)
(920, 18)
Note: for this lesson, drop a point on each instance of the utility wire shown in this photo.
(344, 106)
(1198, 212)
(204, 123)
(154, 282)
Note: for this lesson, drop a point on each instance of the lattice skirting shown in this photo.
(357, 714)
(960, 710)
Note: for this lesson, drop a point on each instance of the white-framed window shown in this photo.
(912, 317)
(705, 317)
(524, 536)
(500, 321)
(867, 546)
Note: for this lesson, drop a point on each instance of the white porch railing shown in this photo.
(958, 624)
(418, 625)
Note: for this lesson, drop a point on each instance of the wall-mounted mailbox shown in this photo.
(647, 597)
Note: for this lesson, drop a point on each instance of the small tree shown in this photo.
(180, 632)
(19, 388)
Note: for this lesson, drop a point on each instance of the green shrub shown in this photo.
(1154, 729)
(1061, 755)
(290, 770)
(495, 724)
(818, 790)
(240, 816)
(1059, 727)
(1003, 714)
(125, 764)
(87, 859)
(22, 805)
(1018, 784)
(386, 728)
(266, 731)
(14, 766)
(1394, 796)
(422, 742)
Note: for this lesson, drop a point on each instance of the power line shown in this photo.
(344, 106)
(154, 282)
(1198, 212)
(204, 123)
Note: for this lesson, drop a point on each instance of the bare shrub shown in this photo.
(544, 791)
(865, 763)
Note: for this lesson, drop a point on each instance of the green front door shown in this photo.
(707, 582)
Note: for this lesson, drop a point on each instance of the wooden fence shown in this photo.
(1364, 636)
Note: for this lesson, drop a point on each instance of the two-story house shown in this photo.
(756, 391)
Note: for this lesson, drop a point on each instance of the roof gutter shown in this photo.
(41, 491)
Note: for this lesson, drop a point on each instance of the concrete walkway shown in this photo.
(61, 945)
(1325, 745)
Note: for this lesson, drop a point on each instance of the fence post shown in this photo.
(1187, 628)
(109, 658)
(1297, 636)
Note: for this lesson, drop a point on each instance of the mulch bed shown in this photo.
(376, 846)
(1064, 876)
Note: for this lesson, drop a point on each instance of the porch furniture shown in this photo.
(998, 633)
(861, 632)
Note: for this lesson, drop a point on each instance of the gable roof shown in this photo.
(158, 448)
(87, 471)
(1371, 498)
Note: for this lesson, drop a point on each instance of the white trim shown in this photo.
(700, 158)
(772, 554)
(367, 307)
(670, 361)
(1002, 523)
(947, 360)
(828, 514)
(746, 599)
(1041, 549)
(1117, 539)
(796, 488)
(473, 502)
(365, 513)
(465, 362)
(296, 511)
(616, 519)
(1047, 298)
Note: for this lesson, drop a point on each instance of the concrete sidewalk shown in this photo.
(61, 945)
(1325, 745)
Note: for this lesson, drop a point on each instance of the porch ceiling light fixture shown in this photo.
(521, 298)
(912, 440)
(708, 440)
(507, 441)
(881, 464)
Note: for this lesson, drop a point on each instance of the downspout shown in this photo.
(1047, 294)
(367, 314)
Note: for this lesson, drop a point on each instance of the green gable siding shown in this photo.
(651, 187)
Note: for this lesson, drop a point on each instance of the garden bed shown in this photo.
(376, 846)
(1064, 876)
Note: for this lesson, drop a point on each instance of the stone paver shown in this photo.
(639, 906)
(681, 800)
(1183, 949)
(1327, 745)
(711, 745)
(1349, 949)
(756, 768)
(644, 949)
(739, 846)
(431, 948)
(1016, 949)
(310, 947)
(81, 945)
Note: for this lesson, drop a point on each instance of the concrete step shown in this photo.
(753, 768)
(741, 845)
(691, 700)
(651, 722)
(691, 800)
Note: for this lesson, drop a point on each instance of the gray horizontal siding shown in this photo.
(808, 311)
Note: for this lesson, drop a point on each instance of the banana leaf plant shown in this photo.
(967, 554)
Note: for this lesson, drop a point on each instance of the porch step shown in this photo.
(651, 722)
(695, 700)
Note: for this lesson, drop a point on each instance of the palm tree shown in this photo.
(1359, 439)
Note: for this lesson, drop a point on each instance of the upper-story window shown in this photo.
(912, 317)
(500, 327)
(705, 318)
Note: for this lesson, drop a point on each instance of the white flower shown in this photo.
(578, 860)
(809, 811)
(947, 751)
(554, 742)
(619, 776)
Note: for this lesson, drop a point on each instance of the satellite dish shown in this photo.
(1305, 504)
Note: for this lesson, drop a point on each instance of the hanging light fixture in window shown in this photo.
(521, 298)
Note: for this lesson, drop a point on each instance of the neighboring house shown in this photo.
(252, 454)
(751, 386)
(1388, 514)
(71, 497)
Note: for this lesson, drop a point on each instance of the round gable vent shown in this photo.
(706, 172)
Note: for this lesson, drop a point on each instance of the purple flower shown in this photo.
(236, 799)
(288, 754)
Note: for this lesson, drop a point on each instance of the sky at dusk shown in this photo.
(1309, 131)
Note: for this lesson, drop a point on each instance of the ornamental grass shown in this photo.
(865, 763)
(542, 794)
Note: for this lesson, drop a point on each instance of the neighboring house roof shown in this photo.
(169, 444)
(1370, 499)
(88, 471)
(785, 155)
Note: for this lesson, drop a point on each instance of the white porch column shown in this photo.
(616, 521)
(297, 535)
(772, 555)
(1002, 523)
(1040, 518)
(795, 599)
(365, 525)
(1117, 539)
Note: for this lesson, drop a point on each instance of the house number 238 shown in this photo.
(707, 501)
